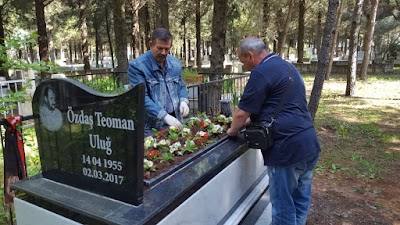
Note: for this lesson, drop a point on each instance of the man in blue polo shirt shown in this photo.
(295, 152)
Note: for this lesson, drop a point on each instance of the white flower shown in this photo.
(217, 129)
(179, 153)
(186, 131)
(221, 117)
(207, 121)
(148, 141)
(164, 142)
(147, 164)
(173, 128)
(201, 133)
(174, 147)
(194, 118)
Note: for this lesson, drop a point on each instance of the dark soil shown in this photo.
(342, 198)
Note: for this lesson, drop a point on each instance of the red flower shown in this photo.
(153, 153)
(197, 141)
(202, 124)
(206, 136)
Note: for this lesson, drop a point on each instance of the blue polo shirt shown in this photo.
(293, 132)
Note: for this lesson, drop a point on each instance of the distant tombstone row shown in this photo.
(90, 140)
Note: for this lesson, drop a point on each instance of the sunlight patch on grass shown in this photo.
(359, 135)
(395, 143)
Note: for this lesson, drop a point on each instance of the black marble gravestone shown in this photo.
(90, 140)
(91, 145)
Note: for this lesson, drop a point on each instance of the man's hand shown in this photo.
(239, 121)
(184, 108)
(230, 132)
(172, 121)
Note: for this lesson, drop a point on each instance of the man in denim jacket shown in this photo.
(166, 96)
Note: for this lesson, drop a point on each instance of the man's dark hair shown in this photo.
(46, 91)
(161, 34)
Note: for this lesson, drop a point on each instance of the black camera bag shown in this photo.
(258, 135)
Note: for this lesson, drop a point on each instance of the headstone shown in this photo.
(90, 140)
(360, 55)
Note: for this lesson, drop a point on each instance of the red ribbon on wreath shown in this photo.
(14, 158)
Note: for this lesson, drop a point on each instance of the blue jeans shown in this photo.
(290, 191)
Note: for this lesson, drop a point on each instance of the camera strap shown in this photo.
(283, 100)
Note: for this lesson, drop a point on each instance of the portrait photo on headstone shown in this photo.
(50, 115)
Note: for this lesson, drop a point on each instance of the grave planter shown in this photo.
(218, 185)
(209, 189)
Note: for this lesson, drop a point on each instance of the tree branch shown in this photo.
(46, 2)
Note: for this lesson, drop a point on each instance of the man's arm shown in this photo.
(152, 109)
(240, 120)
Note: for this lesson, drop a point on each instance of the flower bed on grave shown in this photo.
(167, 148)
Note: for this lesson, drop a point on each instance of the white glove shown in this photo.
(184, 108)
(172, 121)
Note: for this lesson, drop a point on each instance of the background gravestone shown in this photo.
(90, 140)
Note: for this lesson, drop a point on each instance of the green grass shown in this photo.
(359, 135)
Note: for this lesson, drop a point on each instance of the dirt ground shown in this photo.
(354, 202)
(340, 198)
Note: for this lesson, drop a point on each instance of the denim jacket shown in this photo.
(145, 69)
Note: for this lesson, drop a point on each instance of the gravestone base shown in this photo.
(32, 214)
(219, 187)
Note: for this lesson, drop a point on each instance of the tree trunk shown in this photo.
(144, 20)
(184, 49)
(334, 41)
(346, 35)
(97, 39)
(352, 64)
(84, 36)
(266, 15)
(135, 34)
(319, 36)
(279, 14)
(198, 35)
(282, 37)
(42, 32)
(109, 38)
(219, 23)
(75, 52)
(70, 52)
(121, 42)
(161, 7)
(31, 53)
(337, 48)
(300, 38)
(324, 58)
(368, 38)
(135, 6)
(3, 72)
